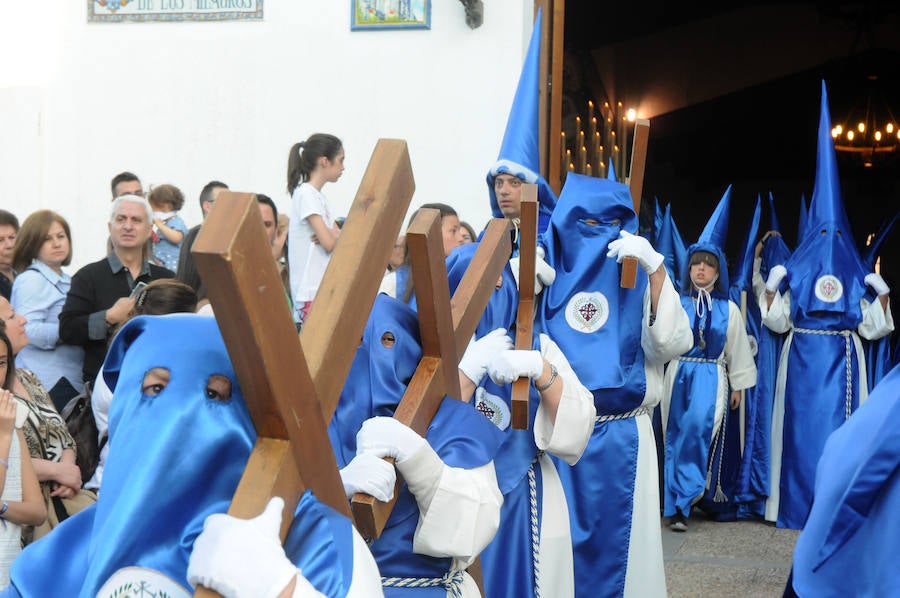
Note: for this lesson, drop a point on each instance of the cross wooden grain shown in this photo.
(291, 391)
(521, 388)
(636, 186)
(445, 327)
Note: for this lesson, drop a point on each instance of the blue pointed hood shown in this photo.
(827, 206)
(775, 250)
(671, 246)
(871, 253)
(681, 254)
(773, 217)
(657, 220)
(520, 150)
(742, 274)
(611, 171)
(801, 219)
(585, 311)
(712, 239)
(826, 272)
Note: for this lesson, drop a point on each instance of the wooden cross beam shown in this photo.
(525, 314)
(358, 264)
(636, 186)
(445, 327)
(285, 391)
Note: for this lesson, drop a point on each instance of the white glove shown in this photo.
(877, 283)
(387, 437)
(776, 274)
(371, 475)
(510, 365)
(628, 245)
(479, 352)
(242, 557)
(544, 274)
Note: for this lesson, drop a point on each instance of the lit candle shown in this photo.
(571, 167)
(562, 149)
(582, 158)
(592, 127)
(587, 169)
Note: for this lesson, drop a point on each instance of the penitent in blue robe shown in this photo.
(175, 458)
(459, 435)
(511, 551)
(850, 543)
(599, 326)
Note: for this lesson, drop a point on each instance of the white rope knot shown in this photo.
(451, 581)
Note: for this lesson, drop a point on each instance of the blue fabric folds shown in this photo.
(319, 542)
(175, 458)
(600, 334)
(853, 524)
(596, 323)
(383, 366)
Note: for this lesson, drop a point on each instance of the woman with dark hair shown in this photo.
(50, 445)
(43, 247)
(20, 494)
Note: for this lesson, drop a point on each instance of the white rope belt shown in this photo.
(451, 581)
(701, 360)
(848, 362)
(535, 529)
(617, 416)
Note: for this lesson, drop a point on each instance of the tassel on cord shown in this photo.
(719, 496)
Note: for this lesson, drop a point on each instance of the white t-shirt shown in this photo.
(308, 260)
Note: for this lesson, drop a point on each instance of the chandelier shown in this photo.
(870, 129)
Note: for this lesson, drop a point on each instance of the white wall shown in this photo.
(184, 103)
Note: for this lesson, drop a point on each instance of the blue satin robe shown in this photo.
(177, 458)
(692, 408)
(850, 543)
(459, 435)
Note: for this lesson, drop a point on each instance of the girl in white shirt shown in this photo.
(312, 234)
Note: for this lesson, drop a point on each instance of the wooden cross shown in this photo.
(445, 327)
(525, 314)
(636, 186)
(291, 391)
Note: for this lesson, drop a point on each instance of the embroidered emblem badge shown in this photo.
(140, 581)
(829, 288)
(492, 407)
(587, 312)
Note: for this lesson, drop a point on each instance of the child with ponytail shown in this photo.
(313, 233)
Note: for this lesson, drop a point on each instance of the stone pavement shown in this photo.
(734, 559)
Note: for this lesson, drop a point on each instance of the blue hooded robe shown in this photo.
(821, 378)
(175, 459)
(458, 434)
(700, 380)
(600, 327)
